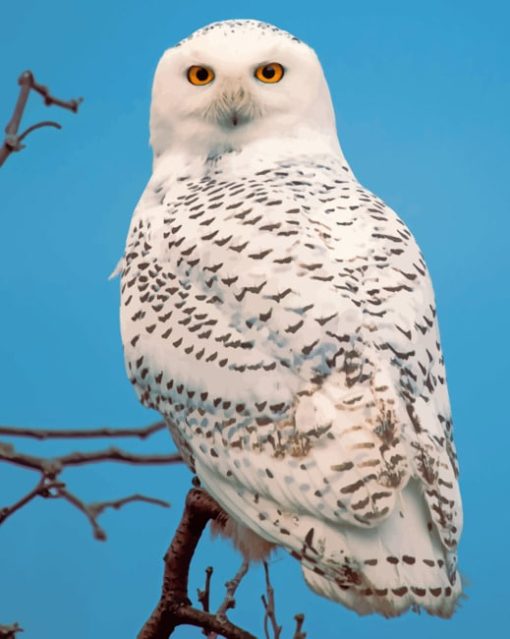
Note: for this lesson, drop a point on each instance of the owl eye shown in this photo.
(269, 73)
(199, 75)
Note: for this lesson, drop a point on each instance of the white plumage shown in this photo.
(282, 319)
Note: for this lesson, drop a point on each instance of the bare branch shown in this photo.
(99, 533)
(50, 486)
(298, 633)
(49, 465)
(174, 608)
(50, 489)
(7, 511)
(10, 631)
(117, 455)
(36, 433)
(270, 609)
(27, 82)
(39, 125)
(92, 511)
(99, 507)
(204, 595)
(232, 586)
(229, 600)
(49, 99)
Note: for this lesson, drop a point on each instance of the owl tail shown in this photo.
(396, 565)
(399, 565)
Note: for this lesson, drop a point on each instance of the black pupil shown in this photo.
(268, 72)
(202, 74)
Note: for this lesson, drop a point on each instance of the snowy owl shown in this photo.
(282, 320)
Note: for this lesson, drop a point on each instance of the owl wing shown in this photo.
(287, 340)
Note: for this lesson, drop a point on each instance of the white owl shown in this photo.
(281, 318)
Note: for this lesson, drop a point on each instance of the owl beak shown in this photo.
(236, 118)
(233, 106)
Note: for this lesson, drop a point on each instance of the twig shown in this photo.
(204, 595)
(174, 608)
(99, 507)
(231, 586)
(229, 601)
(92, 511)
(51, 489)
(7, 511)
(13, 139)
(50, 485)
(39, 125)
(298, 633)
(9, 632)
(270, 608)
(49, 99)
(35, 433)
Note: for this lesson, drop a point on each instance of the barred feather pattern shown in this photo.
(282, 320)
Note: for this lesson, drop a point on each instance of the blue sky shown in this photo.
(421, 91)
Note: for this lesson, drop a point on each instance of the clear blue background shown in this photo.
(421, 91)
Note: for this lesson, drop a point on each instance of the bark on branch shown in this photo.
(174, 608)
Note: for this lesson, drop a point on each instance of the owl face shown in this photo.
(234, 82)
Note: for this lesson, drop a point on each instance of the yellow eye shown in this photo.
(199, 75)
(269, 73)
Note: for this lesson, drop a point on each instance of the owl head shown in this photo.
(238, 82)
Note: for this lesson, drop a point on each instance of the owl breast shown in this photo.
(282, 321)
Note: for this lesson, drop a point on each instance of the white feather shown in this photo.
(282, 320)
